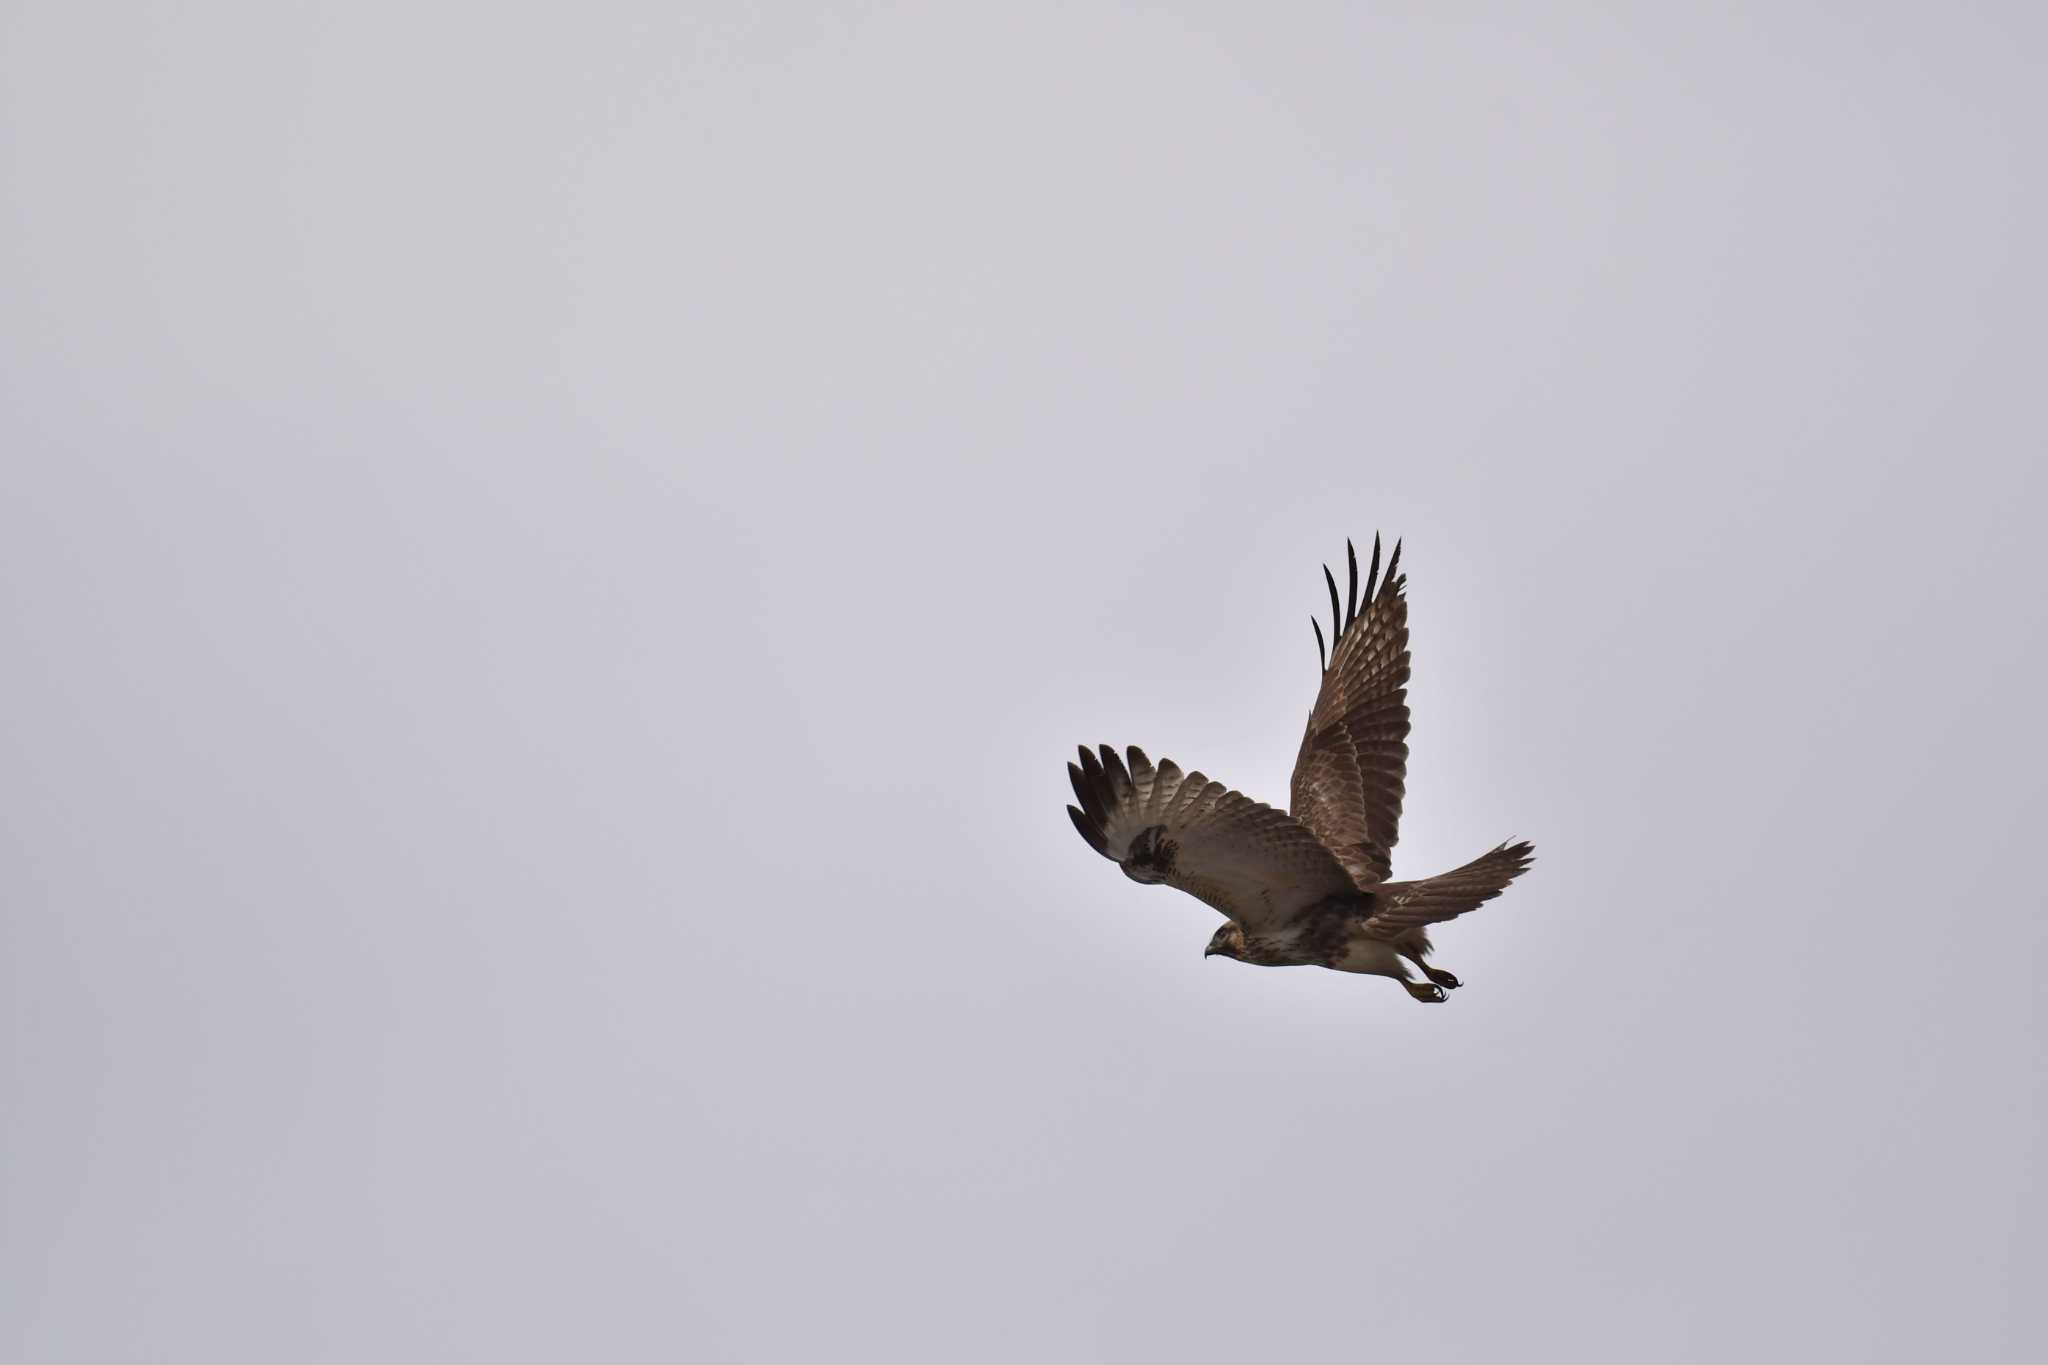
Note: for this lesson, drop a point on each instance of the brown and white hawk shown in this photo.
(1308, 887)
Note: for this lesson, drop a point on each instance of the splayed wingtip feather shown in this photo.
(1351, 591)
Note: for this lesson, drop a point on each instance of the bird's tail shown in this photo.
(1399, 907)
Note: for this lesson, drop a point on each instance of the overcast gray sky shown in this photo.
(553, 557)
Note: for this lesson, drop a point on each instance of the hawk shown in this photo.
(1306, 887)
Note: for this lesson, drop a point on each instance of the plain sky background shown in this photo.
(553, 556)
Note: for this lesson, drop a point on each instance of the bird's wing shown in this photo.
(1353, 764)
(1255, 864)
(1400, 906)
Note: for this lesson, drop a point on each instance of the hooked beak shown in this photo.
(1208, 952)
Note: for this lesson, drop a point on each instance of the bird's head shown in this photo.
(1228, 942)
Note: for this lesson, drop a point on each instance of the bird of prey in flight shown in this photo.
(1306, 888)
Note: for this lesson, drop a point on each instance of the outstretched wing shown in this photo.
(1400, 906)
(1353, 765)
(1253, 863)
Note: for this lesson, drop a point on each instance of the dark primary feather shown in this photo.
(1119, 779)
(1336, 621)
(1351, 592)
(1084, 792)
(1340, 624)
(1090, 831)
